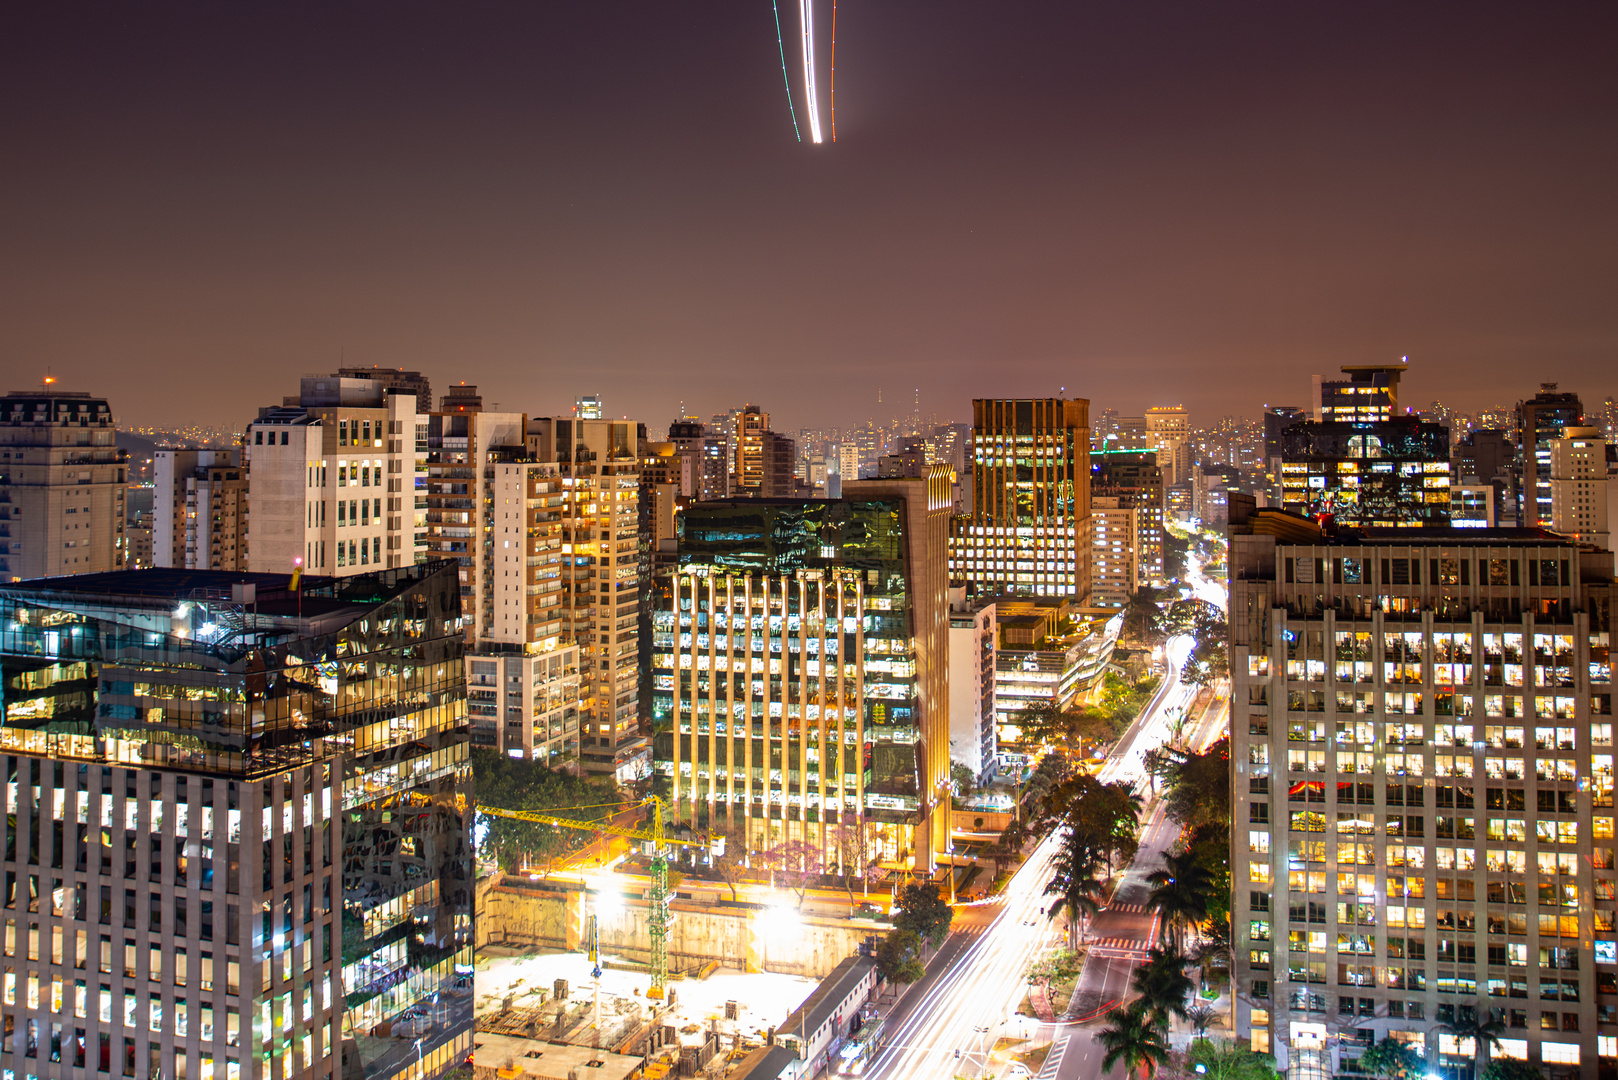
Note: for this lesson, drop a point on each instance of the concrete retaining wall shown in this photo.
(741, 937)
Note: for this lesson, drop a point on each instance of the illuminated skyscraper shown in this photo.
(1029, 530)
(801, 668)
(1540, 420)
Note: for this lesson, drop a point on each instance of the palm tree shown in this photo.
(1132, 1039)
(1078, 896)
(1180, 894)
(1214, 948)
(1199, 1017)
(1163, 986)
(1483, 1028)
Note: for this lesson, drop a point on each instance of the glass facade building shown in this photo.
(1375, 473)
(799, 669)
(237, 825)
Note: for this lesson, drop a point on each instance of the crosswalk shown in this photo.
(1117, 943)
(1126, 909)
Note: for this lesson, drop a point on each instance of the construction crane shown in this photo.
(658, 916)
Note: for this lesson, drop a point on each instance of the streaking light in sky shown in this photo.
(785, 78)
(832, 87)
(806, 17)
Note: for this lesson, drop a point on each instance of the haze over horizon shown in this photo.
(1160, 204)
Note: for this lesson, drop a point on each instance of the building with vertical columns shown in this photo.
(199, 509)
(1029, 529)
(238, 826)
(1422, 793)
(801, 668)
(1580, 490)
(332, 480)
(62, 481)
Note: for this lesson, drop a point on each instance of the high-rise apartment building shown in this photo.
(460, 399)
(1115, 571)
(1380, 473)
(973, 730)
(601, 574)
(778, 478)
(1029, 529)
(1540, 421)
(332, 480)
(749, 429)
(1422, 765)
(199, 509)
(1135, 481)
(62, 481)
(398, 380)
(498, 517)
(1580, 488)
(800, 671)
(238, 826)
(1168, 431)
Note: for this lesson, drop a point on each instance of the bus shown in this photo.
(857, 1052)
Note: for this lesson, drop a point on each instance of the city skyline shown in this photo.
(1111, 202)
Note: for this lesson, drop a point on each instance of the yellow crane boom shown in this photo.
(658, 895)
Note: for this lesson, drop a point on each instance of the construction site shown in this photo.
(601, 969)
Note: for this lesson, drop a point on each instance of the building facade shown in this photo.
(238, 817)
(62, 483)
(973, 733)
(1029, 529)
(1580, 488)
(800, 670)
(1422, 791)
(199, 509)
(332, 480)
(1383, 474)
(1168, 432)
(1541, 420)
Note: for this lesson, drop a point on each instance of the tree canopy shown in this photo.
(1199, 787)
(923, 912)
(1230, 1061)
(898, 957)
(514, 784)
(1394, 1059)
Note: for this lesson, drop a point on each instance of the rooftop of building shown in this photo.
(270, 594)
(830, 997)
(540, 1059)
(766, 1063)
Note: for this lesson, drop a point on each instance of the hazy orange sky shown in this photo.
(1142, 203)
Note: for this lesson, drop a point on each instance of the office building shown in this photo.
(1029, 529)
(239, 823)
(1380, 473)
(973, 738)
(1046, 658)
(1136, 481)
(1422, 756)
(332, 479)
(1472, 506)
(199, 509)
(1370, 394)
(1580, 488)
(1487, 456)
(1168, 431)
(1540, 421)
(801, 669)
(62, 481)
(777, 476)
(709, 454)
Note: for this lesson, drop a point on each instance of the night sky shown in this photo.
(1144, 203)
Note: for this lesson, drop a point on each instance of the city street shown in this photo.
(946, 1023)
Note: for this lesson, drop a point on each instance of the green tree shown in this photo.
(898, 957)
(1200, 1017)
(962, 780)
(1163, 986)
(1229, 1060)
(1078, 896)
(1059, 965)
(1482, 1027)
(1511, 1069)
(1209, 845)
(514, 784)
(1394, 1059)
(1130, 1039)
(1180, 894)
(923, 912)
(1199, 791)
